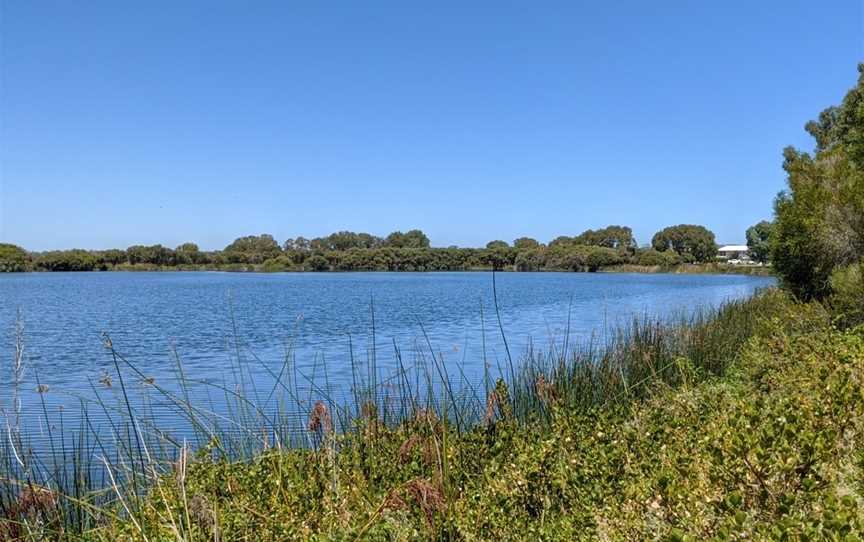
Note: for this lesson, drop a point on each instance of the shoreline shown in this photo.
(680, 269)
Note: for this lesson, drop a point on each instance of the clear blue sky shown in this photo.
(164, 122)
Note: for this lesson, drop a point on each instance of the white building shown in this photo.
(734, 253)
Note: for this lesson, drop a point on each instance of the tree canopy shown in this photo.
(253, 249)
(691, 242)
(758, 241)
(819, 224)
(12, 258)
(524, 243)
(409, 239)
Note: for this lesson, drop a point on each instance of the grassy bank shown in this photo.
(694, 269)
(744, 423)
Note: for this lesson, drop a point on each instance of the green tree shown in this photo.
(66, 260)
(819, 219)
(652, 258)
(317, 262)
(153, 254)
(188, 253)
(691, 242)
(497, 244)
(13, 258)
(758, 241)
(525, 243)
(253, 249)
(609, 237)
(410, 239)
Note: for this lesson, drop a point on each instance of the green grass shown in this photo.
(738, 423)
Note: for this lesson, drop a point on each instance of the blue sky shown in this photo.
(162, 122)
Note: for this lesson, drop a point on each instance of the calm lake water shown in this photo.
(224, 325)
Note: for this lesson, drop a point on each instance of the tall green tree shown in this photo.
(819, 218)
(758, 241)
(692, 242)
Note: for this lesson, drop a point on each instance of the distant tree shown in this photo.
(525, 243)
(346, 240)
(66, 260)
(758, 241)
(317, 262)
(110, 257)
(609, 237)
(13, 258)
(651, 257)
(253, 249)
(497, 244)
(153, 254)
(561, 241)
(498, 257)
(188, 253)
(410, 239)
(691, 242)
(531, 259)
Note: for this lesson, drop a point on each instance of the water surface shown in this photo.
(221, 325)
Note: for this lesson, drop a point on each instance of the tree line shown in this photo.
(591, 250)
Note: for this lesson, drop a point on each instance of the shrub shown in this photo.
(652, 257)
(847, 294)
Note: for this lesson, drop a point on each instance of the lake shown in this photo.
(232, 330)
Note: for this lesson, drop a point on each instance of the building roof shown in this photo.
(733, 248)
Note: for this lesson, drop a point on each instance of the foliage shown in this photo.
(13, 258)
(252, 249)
(345, 240)
(497, 244)
(153, 254)
(317, 262)
(525, 243)
(652, 257)
(188, 253)
(410, 239)
(65, 260)
(620, 237)
(847, 294)
(819, 223)
(592, 250)
(759, 241)
(693, 243)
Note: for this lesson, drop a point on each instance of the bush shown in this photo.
(278, 264)
(598, 257)
(847, 294)
(652, 258)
